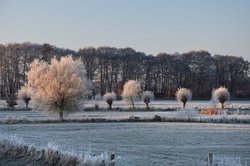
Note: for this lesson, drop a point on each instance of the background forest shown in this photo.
(109, 68)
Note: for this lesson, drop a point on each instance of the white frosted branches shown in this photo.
(59, 86)
(183, 95)
(109, 97)
(146, 97)
(221, 95)
(131, 91)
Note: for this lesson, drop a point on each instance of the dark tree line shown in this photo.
(109, 68)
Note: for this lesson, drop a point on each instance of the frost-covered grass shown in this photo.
(26, 117)
(169, 111)
(172, 104)
(142, 143)
(225, 160)
(14, 150)
(155, 104)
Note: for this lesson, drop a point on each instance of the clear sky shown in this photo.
(150, 26)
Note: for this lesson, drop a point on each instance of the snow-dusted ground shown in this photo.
(14, 151)
(164, 104)
(142, 143)
(244, 106)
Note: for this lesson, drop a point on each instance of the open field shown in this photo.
(142, 143)
(168, 110)
(161, 104)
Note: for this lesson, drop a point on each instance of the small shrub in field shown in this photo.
(183, 95)
(11, 102)
(24, 94)
(147, 96)
(221, 95)
(209, 111)
(97, 98)
(109, 98)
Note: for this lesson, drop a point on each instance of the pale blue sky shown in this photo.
(150, 26)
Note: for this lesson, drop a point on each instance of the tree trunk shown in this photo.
(146, 101)
(110, 102)
(184, 104)
(147, 106)
(110, 106)
(132, 101)
(222, 105)
(61, 115)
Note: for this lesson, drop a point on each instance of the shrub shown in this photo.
(11, 102)
(209, 111)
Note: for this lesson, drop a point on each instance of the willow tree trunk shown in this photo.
(184, 104)
(146, 101)
(61, 115)
(222, 105)
(110, 102)
(132, 102)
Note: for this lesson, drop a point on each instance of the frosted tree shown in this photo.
(221, 95)
(97, 98)
(59, 86)
(131, 91)
(24, 94)
(213, 102)
(183, 95)
(109, 98)
(147, 96)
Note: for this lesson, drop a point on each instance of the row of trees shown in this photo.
(62, 86)
(132, 91)
(109, 68)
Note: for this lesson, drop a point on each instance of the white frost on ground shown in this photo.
(190, 113)
(225, 160)
(162, 104)
(165, 104)
(142, 143)
(14, 148)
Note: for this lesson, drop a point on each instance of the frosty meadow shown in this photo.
(93, 128)
(124, 83)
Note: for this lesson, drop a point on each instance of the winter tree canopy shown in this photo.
(109, 97)
(131, 91)
(109, 68)
(183, 95)
(147, 96)
(59, 86)
(221, 95)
